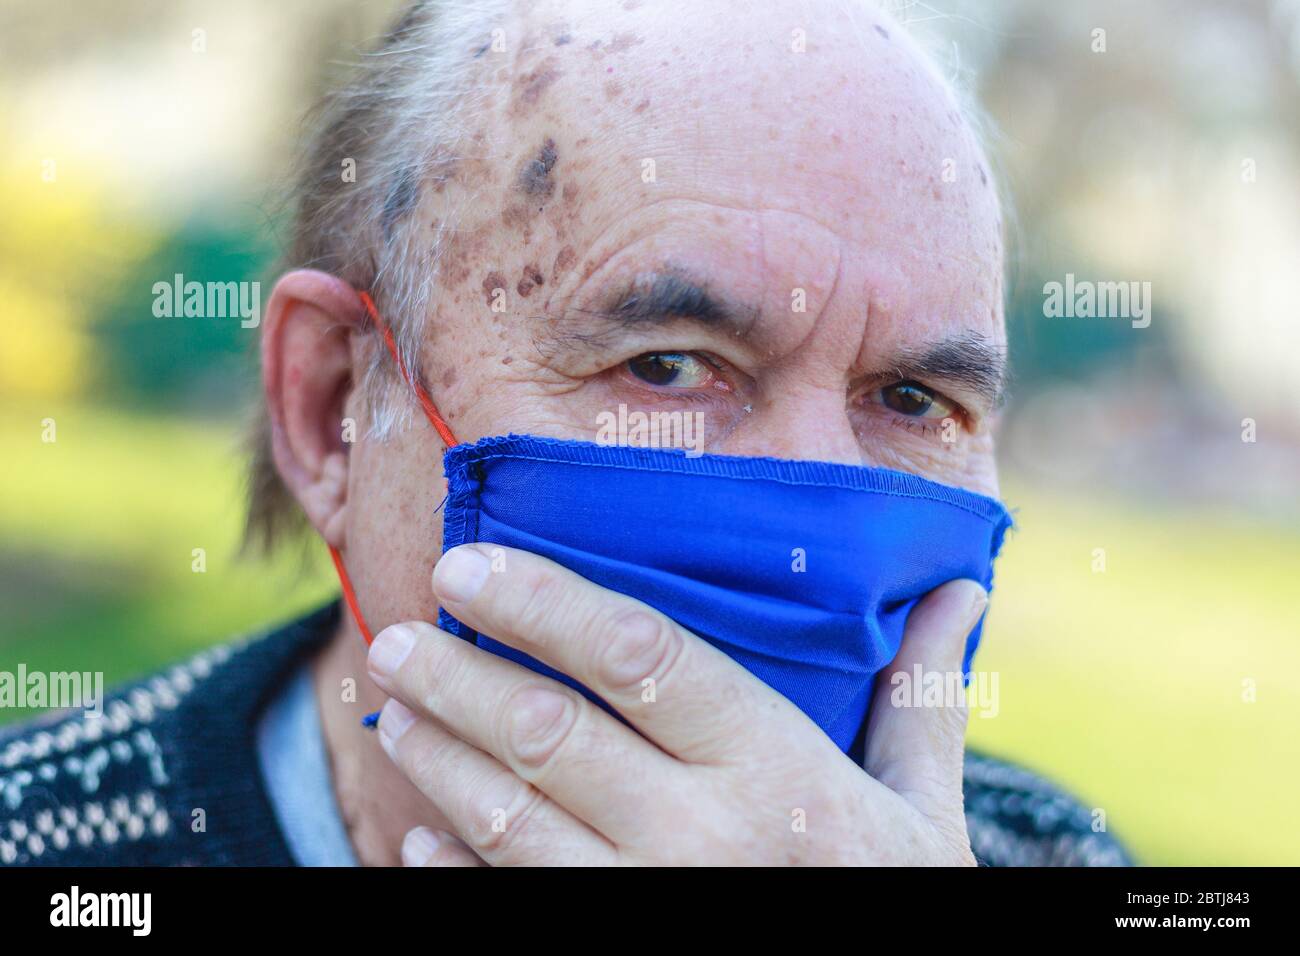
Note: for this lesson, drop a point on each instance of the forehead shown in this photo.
(777, 150)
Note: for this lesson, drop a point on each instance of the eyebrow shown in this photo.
(662, 297)
(968, 359)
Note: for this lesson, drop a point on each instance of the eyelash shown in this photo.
(916, 426)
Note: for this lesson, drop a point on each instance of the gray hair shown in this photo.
(399, 126)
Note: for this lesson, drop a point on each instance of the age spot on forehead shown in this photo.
(531, 85)
(564, 261)
(535, 175)
(492, 282)
(531, 279)
(619, 43)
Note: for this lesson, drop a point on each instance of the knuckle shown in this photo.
(534, 723)
(501, 813)
(539, 600)
(638, 645)
(425, 759)
(439, 669)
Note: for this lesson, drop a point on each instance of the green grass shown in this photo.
(97, 533)
(1125, 686)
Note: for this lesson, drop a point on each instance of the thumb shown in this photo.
(917, 729)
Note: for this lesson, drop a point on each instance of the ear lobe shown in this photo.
(308, 375)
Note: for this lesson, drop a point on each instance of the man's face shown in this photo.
(686, 214)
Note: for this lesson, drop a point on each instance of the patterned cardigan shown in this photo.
(169, 776)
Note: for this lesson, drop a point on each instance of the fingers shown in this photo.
(546, 733)
(685, 695)
(504, 820)
(917, 729)
(426, 847)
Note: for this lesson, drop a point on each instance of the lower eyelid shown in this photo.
(916, 426)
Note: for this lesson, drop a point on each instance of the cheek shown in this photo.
(981, 471)
(499, 389)
(967, 463)
(394, 528)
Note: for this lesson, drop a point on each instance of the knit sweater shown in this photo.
(169, 776)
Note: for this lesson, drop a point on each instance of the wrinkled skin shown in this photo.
(844, 172)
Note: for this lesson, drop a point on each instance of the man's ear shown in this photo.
(308, 374)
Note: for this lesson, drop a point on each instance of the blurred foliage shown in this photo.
(205, 362)
(54, 261)
(1047, 353)
(99, 531)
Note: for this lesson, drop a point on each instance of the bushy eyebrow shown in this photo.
(667, 295)
(968, 359)
(662, 297)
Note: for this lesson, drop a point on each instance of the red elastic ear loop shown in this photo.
(435, 419)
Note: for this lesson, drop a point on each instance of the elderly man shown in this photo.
(777, 227)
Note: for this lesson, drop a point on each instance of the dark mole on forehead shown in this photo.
(535, 176)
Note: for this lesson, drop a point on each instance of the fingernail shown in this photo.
(391, 649)
(461, 574)
(418, 846)
(394, 720)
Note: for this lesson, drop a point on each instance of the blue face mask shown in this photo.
(804, 572)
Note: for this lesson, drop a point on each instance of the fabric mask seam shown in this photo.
(533, 448)
(993, 519)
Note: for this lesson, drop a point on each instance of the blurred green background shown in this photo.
(1161, 687)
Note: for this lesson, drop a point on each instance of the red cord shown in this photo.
(430, 410)
(350, 596)
(435, 419)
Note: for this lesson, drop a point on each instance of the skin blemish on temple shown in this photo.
(533, 84)
(564, 261)
(535, 176)
(532, 278)
(492, 282)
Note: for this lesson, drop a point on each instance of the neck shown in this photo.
(378, 803)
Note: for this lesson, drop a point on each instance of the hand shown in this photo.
(720, 768)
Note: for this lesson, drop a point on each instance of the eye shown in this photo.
(916, 401)
(675, 370)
